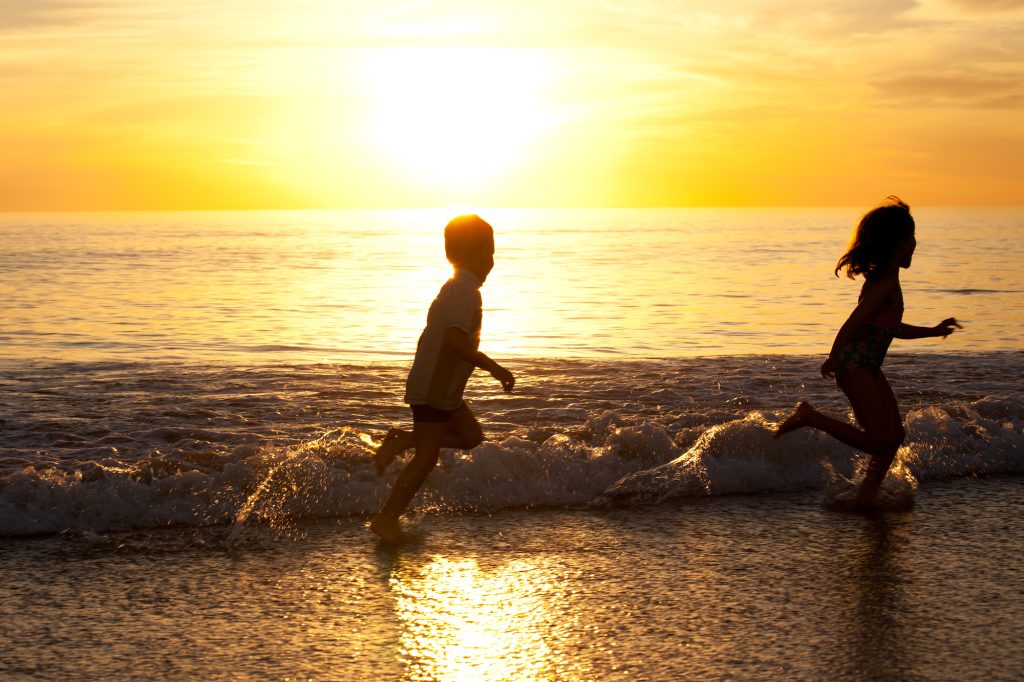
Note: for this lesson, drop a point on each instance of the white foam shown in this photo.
(742, 457)
(609, 458)
(957, 439)
(739, 456)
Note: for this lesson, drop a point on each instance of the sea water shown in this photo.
(251, 288)
(226, 375)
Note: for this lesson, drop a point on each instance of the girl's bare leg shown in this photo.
(877, 412)
(805, 415)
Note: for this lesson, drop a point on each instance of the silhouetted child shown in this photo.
(882, 243)
(446, 355)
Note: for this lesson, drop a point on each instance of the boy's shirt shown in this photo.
(438, 376)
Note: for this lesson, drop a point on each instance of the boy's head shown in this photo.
(469, 244)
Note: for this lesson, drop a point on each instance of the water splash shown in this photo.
(302, 481)
(610, 458)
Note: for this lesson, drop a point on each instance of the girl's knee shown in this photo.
(898, 436)
(889, 441)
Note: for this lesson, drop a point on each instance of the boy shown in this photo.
(445, 357)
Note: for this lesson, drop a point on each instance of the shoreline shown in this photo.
(745, 587)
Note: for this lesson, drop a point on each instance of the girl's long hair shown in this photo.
(876, 238)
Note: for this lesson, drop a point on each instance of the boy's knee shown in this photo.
(427, 457)
(474, 440)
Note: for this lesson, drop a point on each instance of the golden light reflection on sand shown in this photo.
(463, 622)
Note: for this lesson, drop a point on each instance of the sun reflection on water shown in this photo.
(462, 622)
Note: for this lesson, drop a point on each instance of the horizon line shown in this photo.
(502, 208)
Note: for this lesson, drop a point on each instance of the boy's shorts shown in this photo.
(429, 413)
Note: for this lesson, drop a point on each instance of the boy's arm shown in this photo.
(943, 329)
(458, 341)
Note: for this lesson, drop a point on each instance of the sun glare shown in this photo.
(458, 116)
(461, 622)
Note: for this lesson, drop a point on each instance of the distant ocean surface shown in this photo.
(188, 403)
(353, 286)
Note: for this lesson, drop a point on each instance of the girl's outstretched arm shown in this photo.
(943, 329)
(875, 293)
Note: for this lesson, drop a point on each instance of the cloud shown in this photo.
(990, 4)
(965, 90)
(17, 15)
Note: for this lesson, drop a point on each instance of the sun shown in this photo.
(456, 117)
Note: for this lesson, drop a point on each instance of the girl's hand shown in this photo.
(829, 368)
(505, 377)
(945, 328)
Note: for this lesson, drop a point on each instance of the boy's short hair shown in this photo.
(466, 234)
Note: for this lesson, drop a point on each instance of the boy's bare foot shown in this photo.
(800, 418)
(387, 451)
(389, 531)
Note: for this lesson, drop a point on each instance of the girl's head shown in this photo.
(883, 236)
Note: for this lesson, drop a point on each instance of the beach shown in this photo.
(189, 403)
(749, 587)
(508, 341)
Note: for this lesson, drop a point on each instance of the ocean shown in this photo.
(188, 403)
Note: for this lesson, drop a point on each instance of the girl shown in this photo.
(882, 244)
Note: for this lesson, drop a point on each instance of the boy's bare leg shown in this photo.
(395, 442)
(463, 432)
(427, 437)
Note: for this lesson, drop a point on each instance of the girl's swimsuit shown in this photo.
(871, 341)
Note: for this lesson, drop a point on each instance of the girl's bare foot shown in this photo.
(801, 417)
(388, 450)
(389, 531)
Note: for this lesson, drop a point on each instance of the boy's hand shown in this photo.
(505, 377)
(945, 328)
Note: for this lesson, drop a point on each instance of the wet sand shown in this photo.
(748, 587)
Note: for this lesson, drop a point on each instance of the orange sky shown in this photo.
(187, 104)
